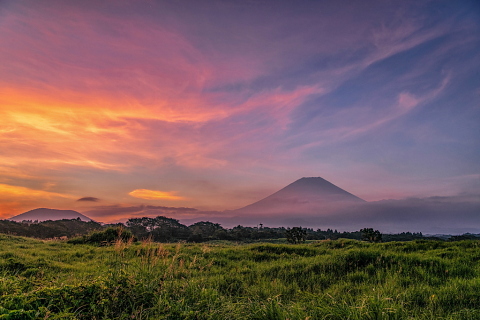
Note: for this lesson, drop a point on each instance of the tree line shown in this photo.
(49, 229)
(163, 229)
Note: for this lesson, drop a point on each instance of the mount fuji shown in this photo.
(307, 195)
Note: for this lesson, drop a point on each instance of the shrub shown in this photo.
(105, 237)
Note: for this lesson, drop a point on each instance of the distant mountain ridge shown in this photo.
(44, 214)
(306, 195)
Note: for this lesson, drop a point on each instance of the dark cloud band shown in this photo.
(91, 199)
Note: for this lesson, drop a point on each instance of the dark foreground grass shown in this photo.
(343, 279)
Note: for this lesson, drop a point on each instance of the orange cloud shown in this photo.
(155, 195)
(8, 190)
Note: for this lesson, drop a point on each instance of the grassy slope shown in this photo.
(343, 279)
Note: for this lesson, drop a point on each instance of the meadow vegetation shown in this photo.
(333, 279)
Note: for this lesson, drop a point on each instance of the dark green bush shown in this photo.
(105, 237)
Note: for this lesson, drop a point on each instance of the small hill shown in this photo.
(44, 214)
(306, 195)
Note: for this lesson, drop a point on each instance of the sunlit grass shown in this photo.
(343, 279)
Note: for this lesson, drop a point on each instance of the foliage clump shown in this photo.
(370, 235)
(295, 235)
(105, 237)
(161, 229)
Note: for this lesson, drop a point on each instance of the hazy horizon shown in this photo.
(192, 108)
(310, 203)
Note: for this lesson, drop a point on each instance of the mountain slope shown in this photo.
(306, 195)
(43, 214)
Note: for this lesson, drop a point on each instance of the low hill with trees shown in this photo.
(49, 229)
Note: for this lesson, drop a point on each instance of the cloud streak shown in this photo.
(154, 194)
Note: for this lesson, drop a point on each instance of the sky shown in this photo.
(119, 109)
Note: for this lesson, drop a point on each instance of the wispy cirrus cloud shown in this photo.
(112, 94)
(23, 191)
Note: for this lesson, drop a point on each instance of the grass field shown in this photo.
(342, 279)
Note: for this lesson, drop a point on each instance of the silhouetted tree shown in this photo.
(368, 234)
(295, 235)
(205, 230)
(159, 228)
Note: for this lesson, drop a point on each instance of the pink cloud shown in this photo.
(119, 89)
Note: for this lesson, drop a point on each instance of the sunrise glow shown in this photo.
(228, 103)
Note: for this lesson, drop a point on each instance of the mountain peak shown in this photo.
(308, 194)
(319, 187)
(310, 181)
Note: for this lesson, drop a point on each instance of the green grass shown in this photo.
(342, 279)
